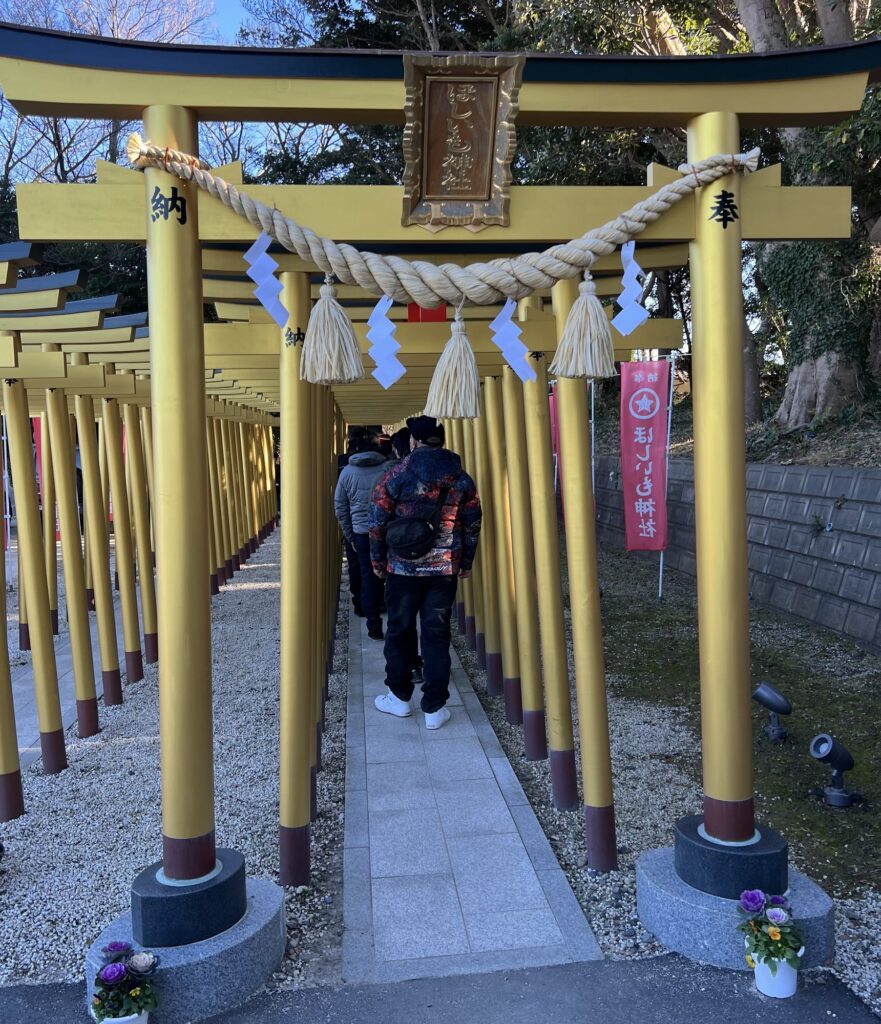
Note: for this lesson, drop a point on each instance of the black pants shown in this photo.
(354, 572)
(371, 584)
(431, 599)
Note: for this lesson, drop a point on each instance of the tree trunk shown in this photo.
(834, 19)
(816, 390)
(764, 24)
(752, 394)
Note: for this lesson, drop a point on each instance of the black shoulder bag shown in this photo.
(412, 537)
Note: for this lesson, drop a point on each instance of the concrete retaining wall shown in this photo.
(814, 538)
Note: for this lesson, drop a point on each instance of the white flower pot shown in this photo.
(781, 985)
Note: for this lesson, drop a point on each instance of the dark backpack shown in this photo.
(412, 537)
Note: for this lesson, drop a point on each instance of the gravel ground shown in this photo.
(71, 859)
(655, 761)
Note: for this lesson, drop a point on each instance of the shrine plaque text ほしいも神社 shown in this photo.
(459, 139)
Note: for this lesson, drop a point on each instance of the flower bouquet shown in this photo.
(774, 945)
(124, 991)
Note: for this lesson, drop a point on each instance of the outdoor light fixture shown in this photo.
(772, 699)
(827, 749)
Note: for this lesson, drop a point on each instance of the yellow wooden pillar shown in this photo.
(147, 438)
(494, 684)
(226, 506)
(296, 721)
(99, 545)
(465, 610)
(247, 478)
(11, 795)
(33, 572)
(72, 555)
(720, 495)
(477, 574)
(526, 606)
(235, 502)
(501, 513)
(122, 537)
(218, 564)
(24, 633)
(550, 595)
(141, 508)
(584, 605)
(50, 544)
(177, 365)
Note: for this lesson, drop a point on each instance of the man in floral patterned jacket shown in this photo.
(423, 587)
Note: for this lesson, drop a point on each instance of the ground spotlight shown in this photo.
(827, 749)
(772, 699)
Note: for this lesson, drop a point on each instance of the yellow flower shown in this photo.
(749, 961)
(774, 933)
(135, 992)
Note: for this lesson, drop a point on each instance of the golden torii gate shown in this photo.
(173, 88)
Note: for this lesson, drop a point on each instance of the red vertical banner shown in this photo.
(644, 391)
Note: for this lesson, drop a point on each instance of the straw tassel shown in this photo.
(455, 387)
(331, 354)
(586, 348)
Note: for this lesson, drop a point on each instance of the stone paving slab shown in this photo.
(446, 870)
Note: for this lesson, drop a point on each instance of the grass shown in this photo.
(652, 654)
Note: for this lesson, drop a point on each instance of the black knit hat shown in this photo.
(427, 430)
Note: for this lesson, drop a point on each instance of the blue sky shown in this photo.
(228, 15)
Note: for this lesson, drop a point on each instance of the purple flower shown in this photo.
(117, 947)
(752, 900)
(112, 974)
(777, 915)
(778, 901)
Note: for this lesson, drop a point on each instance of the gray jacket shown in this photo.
(354, 490)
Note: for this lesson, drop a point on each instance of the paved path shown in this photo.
(664, 990)
(446, 869)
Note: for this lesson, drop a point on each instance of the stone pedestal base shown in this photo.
(206, 978)
(703, 927)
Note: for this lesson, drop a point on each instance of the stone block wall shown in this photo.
(814, 538)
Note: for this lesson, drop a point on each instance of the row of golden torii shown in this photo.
(238, 371)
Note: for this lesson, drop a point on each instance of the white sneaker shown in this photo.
(389, 704)
(436, 719)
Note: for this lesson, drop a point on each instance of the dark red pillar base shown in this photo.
(494, 685)
(535, 745)
(54, 754)
(214, 586)
(318, 732)
(221, 575)
(460, 616)
(188, 858)
(564, 780)
(293, 855)
(471, 632)
(151, 648)
(87, 717)
(732, 821)
(53, 615)
(481, 651)
(236, 562)
(134, 666)
(599, 838)
(244, 555)
(112, 687)
(24, 637)
(513, 701)
(254, 544)
(313, 793)
(11, 796)
(229, 568)
(90, 599)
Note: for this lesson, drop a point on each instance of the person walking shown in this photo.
(366, 464)
(424, 529)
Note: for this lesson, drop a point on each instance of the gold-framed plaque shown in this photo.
(459, 139)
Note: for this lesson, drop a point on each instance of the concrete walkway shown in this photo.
(446, 869)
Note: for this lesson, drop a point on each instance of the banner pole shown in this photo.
(667, 463)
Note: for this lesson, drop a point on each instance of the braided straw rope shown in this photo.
(429, 284)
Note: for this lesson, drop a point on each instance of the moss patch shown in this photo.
(652, 654)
